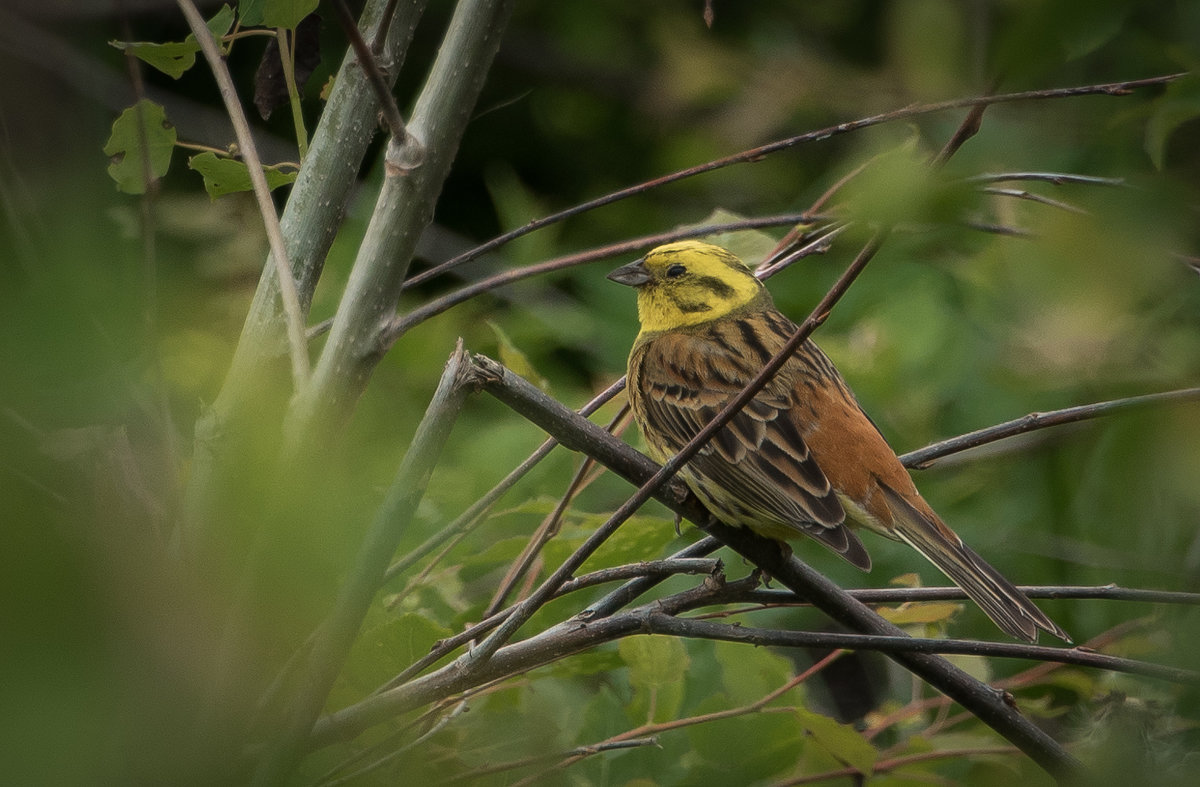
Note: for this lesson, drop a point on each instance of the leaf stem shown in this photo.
(287, 284)
(287, 58)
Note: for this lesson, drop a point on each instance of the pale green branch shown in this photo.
(328, 652)
(402, 211)
(310, 221)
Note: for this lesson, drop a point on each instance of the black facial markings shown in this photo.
(718, 287)
(688, 306)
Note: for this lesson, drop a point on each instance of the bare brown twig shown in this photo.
(1055, 178)
(573, 756)
(754, 154)
(288, 293)
(398, 326)
(584, 435)
(658, 728)
(901, 595)
(704, 629)
(926, 457)
(1030, 196)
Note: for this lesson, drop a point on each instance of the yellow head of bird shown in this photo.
(688, 283)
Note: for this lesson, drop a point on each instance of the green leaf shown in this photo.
(1082, 683)
(139, 136)
(499, 553)
(840, 740)
(516, 360)
(409, 638)
(225, 175)
(920, 612)
(588, 663)
(394, 643)
(744, 749)
(1092, 30)
(219, 25)
(653, 662)
(176, 57)
(516, 203)
(749, 674)
(1178, 104)
(173, 59)
(251, 12)
(640, 538)
(655, 667)
(286, 13)
(976, 666)
(898, 187)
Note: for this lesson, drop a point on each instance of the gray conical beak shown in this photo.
(634, 274)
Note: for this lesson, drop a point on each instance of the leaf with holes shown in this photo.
(225, 175)
(140, 146)
(176, 57)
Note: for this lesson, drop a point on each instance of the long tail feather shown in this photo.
(1007, 606)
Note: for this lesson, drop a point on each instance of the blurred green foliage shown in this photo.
(120, 318)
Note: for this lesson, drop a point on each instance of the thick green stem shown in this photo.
(403, 210)
(310, 222)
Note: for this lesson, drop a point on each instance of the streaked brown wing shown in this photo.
(760, 459)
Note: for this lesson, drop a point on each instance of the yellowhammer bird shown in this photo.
(801, 457)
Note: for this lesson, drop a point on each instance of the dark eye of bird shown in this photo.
(675, 270)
